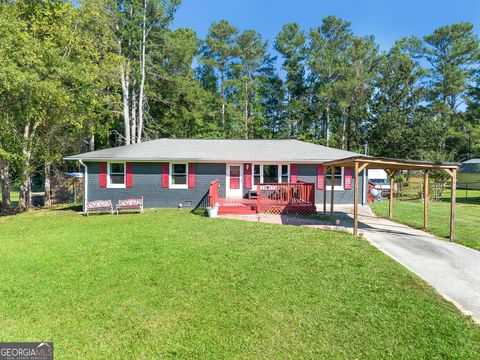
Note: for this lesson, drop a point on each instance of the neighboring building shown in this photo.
(468, 176)
(169, 172)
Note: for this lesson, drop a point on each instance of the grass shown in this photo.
(13, 198)
(170, 284)
(467, 225)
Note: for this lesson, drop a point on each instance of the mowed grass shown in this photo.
(170, 284)
(13, 198)
(467, 224)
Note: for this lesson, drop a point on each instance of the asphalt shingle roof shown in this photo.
(218, 150)
(471, 166)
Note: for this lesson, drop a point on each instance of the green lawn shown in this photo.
(467, 228)
(13, 198)
(170, 284)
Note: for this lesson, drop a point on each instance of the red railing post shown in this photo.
(213, 193)
(258, 198)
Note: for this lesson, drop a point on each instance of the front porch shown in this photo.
(278, 198)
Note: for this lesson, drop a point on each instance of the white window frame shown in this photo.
(342, 185)
(171, 185)
(116, 186)
(279, 165)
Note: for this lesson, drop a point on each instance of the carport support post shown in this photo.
(391, 174)
(452, 204)
(425, 200)
(325, 169)
(332, 191)
(355, 202)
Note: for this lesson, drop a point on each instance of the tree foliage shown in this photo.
(88, 74)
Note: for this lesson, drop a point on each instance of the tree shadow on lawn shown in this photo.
(69, 207)
(463, 200)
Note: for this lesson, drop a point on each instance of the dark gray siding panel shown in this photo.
(147, 182)
(308, 173)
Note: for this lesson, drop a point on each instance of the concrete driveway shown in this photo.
(452, 269)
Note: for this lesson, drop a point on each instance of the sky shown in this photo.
(387, 20)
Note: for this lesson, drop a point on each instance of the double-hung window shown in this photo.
(257, 177)
(284, 174)
(270, 173)
(116, 175)
(178, 175)
(337, 178)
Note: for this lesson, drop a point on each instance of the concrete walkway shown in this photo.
(452, 269)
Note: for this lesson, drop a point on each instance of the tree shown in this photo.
(134, 24)
(290, 43)
(354, 91)
(328, 63)
(252, 55)
(218, 53)
(180, 106)
(51, 82)
(397, 103)
(453, 52)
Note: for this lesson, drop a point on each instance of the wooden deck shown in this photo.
(296, 198)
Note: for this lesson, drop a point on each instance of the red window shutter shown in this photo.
(320, 176)
(293, 173)
(165, 175)
(191, 176)
(103, 175)
(247, 173)
(347, 178)
(129, 175)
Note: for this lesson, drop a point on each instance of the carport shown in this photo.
(392, 166)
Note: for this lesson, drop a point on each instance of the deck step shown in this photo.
(236, 209)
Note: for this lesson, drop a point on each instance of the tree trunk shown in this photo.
(91, 143)
(25, 195)
(142, 74)
(349, 128)
(5, 180)
(48, 192)
(222, 91)
(125, 96)
(246, 109)
(327, 124)
(133, 120)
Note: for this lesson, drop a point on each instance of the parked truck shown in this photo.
(380, 179)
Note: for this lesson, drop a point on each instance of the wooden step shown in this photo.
(236, 209)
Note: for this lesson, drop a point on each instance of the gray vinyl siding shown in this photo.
(147, 182)
(308, 173)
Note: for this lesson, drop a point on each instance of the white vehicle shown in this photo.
(380, 179)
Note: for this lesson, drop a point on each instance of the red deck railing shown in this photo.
(274, 198)
(288, 197)
(213, 193)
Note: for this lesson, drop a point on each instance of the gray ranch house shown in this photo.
(169, 173)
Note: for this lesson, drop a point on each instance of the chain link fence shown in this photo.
(413, 190)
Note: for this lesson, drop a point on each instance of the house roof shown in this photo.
(471, 166)
(472, 161)
(218, 150)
